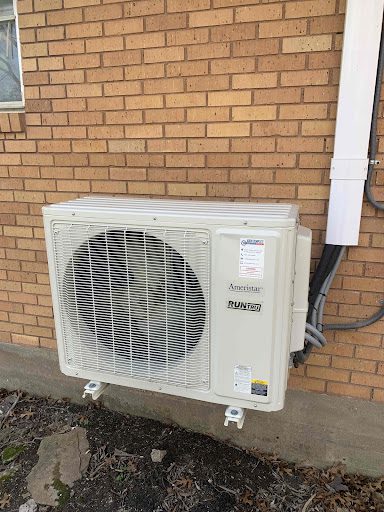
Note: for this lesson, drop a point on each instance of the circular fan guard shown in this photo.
(136, 294)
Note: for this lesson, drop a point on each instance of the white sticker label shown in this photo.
(252, 258)
(243, 379)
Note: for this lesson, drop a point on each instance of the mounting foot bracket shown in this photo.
(234, 415)
(95, 389)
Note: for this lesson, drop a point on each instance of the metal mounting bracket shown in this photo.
(234, 415)
(94, 388)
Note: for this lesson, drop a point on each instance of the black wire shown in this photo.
(326, 263)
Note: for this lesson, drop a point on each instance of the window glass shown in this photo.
(10, 83)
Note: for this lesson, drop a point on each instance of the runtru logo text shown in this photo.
(245, 306)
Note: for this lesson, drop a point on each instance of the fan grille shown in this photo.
(135, 302)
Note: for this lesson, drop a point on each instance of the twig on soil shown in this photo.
(307, 503)
(225, 489)
(2, 422)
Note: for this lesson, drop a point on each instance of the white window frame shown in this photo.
(14, 105)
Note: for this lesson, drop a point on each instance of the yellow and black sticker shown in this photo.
(259, 387)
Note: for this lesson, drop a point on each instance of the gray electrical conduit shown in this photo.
(316, 327)
(325, 290)
(320, 303)
(357, 325)
(314, 341)
(321, 338)
(314, 334)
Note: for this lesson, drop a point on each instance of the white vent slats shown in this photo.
(135, 301)
(164, 209)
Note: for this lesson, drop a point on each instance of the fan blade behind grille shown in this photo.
(138, 298)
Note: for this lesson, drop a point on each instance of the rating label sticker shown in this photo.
(251, 259)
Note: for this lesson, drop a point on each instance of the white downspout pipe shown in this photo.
(354, 111)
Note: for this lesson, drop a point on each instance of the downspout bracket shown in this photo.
(349, 168)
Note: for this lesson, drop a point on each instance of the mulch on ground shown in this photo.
(198, 474)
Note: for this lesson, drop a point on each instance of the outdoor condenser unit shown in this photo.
(204, 300)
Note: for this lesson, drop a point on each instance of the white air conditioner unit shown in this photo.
(204, 300)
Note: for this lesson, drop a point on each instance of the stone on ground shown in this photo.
(158, 455)
(30, 506)
(63, 459)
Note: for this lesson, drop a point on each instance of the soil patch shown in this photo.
(197, 474)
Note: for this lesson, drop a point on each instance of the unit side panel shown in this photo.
(247, 332)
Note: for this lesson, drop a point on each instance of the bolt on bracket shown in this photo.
(95, 389)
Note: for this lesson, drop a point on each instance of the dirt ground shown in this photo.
(198, 474)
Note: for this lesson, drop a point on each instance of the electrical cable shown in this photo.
(357, 325)
(313, 341)
(325, 290)
(321, 338)
(324, 268)
(326, 263)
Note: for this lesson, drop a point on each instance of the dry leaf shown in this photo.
(184, 483)
(5, 501)
(246, 497)
(27, 414)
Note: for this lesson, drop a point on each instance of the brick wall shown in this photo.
(215, 99)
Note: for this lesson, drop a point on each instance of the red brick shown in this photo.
(258, 13)
(166, 22)
(208, 51)
(190, 36)
(105, 44)
(103, 12)
(240, 65)
(307, 44)
(66, 47)
(283, 28)
(125, 26)
(163, 54)
(309, 8)
(187, 68)
(255, 113)
(84, 30)
(213, 17)
(154, 40)
(192, 5)
(64, 17)
(143, 8)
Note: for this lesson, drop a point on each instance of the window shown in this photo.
(11, 88)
